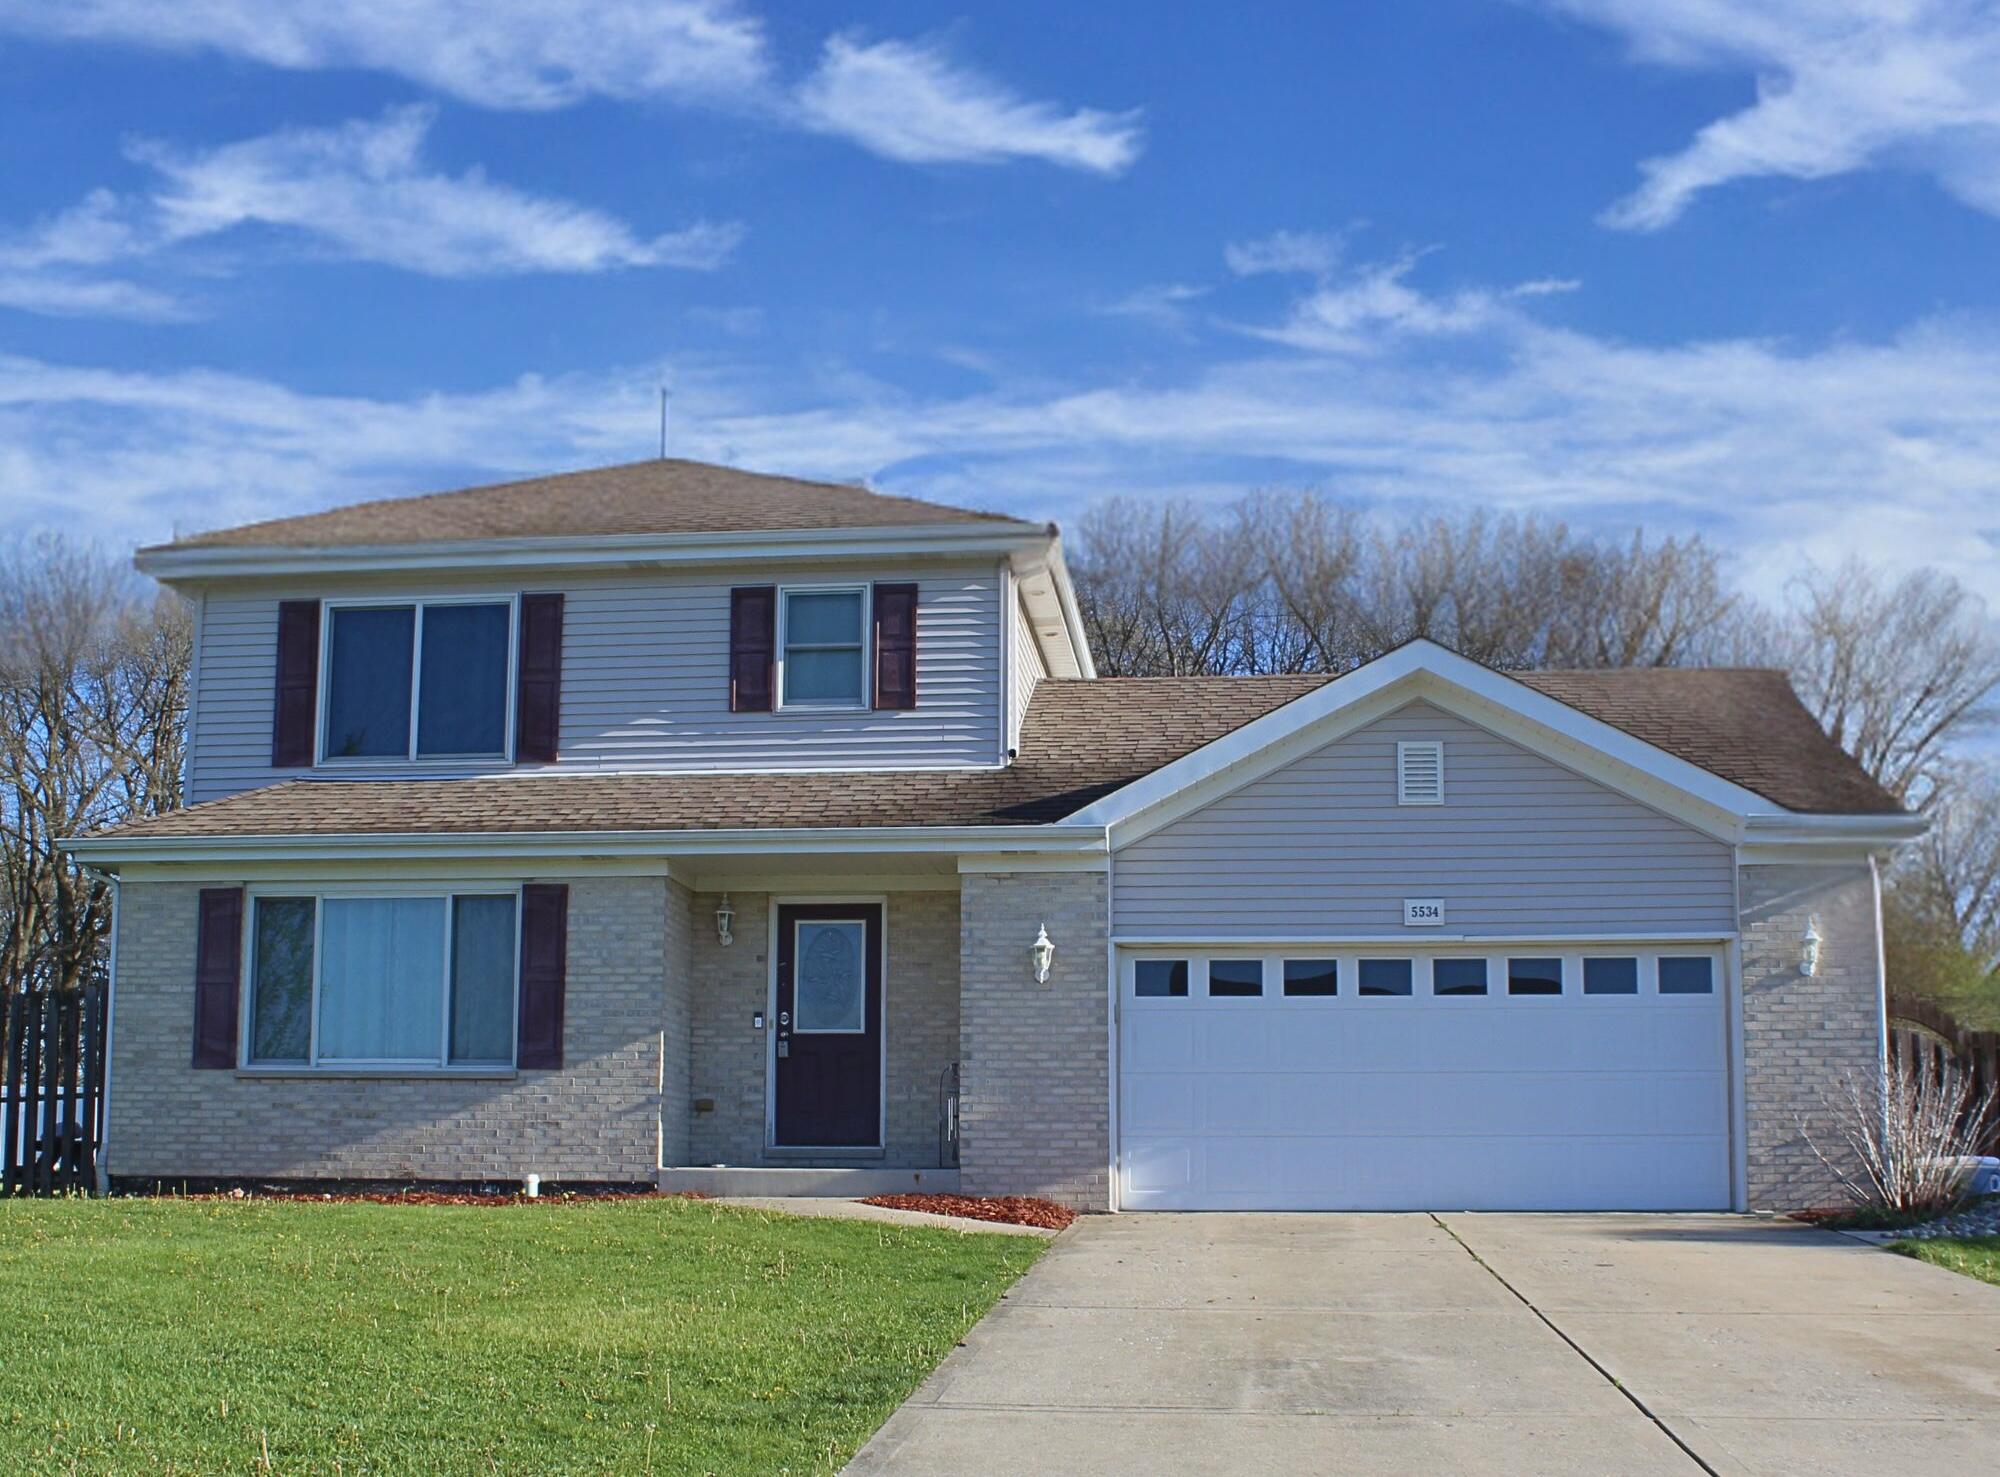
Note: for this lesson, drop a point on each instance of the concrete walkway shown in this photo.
(1464, 1344)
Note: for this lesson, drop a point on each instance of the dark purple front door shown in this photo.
(829, 1041)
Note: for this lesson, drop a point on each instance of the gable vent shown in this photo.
(1420, 773)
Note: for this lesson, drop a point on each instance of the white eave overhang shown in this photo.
(992, 841)
(193, 564)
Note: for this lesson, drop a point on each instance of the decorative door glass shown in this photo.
(831, 993)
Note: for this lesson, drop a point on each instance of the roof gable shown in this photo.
(1682, 759)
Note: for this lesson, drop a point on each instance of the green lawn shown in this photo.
(1975, 1256)
(629, 1336)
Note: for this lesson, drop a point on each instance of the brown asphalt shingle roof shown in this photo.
(656, 497)
(1080, 741)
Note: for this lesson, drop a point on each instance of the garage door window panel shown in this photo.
(1610, 975)
(1682, 974)
(1235, 979)
(1542, 975)
(1312, 978)
(1160, 979)
(1386, 977)
(1458, 976)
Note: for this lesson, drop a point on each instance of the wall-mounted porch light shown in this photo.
(1809, 948)
(1043, 952)
(725, 919)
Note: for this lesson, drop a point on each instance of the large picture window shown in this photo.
(822, 635)
(417, 680)
(418, 980)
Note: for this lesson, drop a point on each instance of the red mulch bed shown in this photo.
(1012, 1210)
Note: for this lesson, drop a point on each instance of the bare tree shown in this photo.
(1164, 589)
(1948, 882)
(93, 703)
(1303, 582)
(1894, 671)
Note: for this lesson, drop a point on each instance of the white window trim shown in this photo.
(312, 1066)
(322, 709)
(1407, 748)
(866, 702)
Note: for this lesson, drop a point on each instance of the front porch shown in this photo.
(731, 1130)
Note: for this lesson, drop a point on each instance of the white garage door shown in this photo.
(1560, 1077)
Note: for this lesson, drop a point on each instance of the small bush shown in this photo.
(1896, 1146)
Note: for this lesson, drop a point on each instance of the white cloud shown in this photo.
(359, 191)
(1309, 252)
(1841, 85)
(1779, 454)
(59, 295)
(903, 100)
(495, 53)
(361, 188)
(1372, 307)
(911, 102)
(1164, 307)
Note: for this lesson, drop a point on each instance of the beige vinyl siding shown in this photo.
(1521, 845)
(1028, 670)
(645, 681)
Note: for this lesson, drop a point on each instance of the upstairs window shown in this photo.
(417, 680)
(822, 639)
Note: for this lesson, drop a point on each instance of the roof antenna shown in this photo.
(663, 422)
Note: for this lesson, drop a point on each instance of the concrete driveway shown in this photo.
(1464, 1344)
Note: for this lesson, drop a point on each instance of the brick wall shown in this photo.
(1804, 1039)
(730, 1067)
(596, 1118)
(1036, 1084)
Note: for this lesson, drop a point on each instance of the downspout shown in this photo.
(1114, 1147)
(110, 1029)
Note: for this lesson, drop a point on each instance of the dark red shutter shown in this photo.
(538, 682)
(753, 639)
(218, 975)
(895, 646)
(544, 950)
(296, 710)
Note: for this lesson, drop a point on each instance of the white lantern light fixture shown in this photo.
(1043, 952)
(1809, 947)
(725, 918)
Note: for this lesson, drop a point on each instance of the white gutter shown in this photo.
(170, 563)
(1782, 828)
(810, 841)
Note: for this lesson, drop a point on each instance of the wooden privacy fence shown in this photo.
(1923, 1037)
(51, 1090)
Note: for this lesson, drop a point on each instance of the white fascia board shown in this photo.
(1424, 670)
(185, 565)
(821, 841)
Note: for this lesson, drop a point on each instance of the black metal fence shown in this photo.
(51, 1090)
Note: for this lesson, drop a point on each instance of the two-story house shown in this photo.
(674, 824)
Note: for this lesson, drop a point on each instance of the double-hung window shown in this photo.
(822, 647)
(428, 679)
(421, 981)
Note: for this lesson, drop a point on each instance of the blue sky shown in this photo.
(1706, 266)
